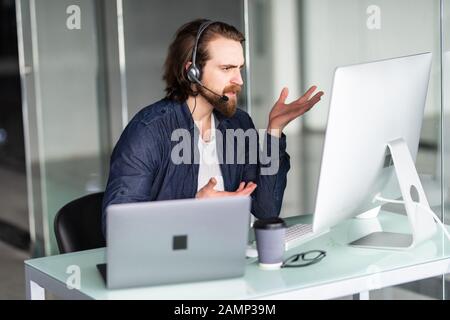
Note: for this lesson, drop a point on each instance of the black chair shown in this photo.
(78, 225)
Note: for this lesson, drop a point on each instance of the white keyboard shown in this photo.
(297, 234)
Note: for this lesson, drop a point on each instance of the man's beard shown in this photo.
(227, 108)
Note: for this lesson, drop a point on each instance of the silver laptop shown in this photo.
(161, 242)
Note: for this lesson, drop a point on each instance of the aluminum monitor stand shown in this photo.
(415, 201)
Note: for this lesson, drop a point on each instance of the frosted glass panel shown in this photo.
(300, 43)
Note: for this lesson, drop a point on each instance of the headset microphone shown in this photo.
(224, 98)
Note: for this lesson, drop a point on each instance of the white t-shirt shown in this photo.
(209, 162)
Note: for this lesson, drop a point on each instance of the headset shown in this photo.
(193, 72)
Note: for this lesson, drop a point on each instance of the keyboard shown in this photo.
(297, 234)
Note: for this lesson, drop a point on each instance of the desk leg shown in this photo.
(361, 296)
(33, 290)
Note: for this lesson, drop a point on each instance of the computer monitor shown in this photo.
(371, 142)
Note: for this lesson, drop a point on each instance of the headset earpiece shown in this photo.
(193, 74)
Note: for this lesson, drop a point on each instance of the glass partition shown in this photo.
(148, 30)
(66, 107)
(89, 67)
(445, 121)
(300, 43)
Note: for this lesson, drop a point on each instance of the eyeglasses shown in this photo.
(304, 259)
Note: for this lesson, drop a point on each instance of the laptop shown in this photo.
(174, 241)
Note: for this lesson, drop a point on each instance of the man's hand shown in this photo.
(283, 113)
(208, 190)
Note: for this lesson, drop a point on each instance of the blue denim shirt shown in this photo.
(141, 168)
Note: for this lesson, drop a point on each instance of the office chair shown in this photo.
(78, 225)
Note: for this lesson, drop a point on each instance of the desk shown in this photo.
(344, 271)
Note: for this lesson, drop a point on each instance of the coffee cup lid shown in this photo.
(271, 223)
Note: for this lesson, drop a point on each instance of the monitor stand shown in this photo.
(369, 214)
(418, 210)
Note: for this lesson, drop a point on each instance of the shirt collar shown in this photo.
(188, 121)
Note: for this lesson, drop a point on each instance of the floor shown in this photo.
(12, 272)
(14, 212)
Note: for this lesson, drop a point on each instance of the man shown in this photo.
(203, 79)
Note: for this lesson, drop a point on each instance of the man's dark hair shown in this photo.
(178, 86)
